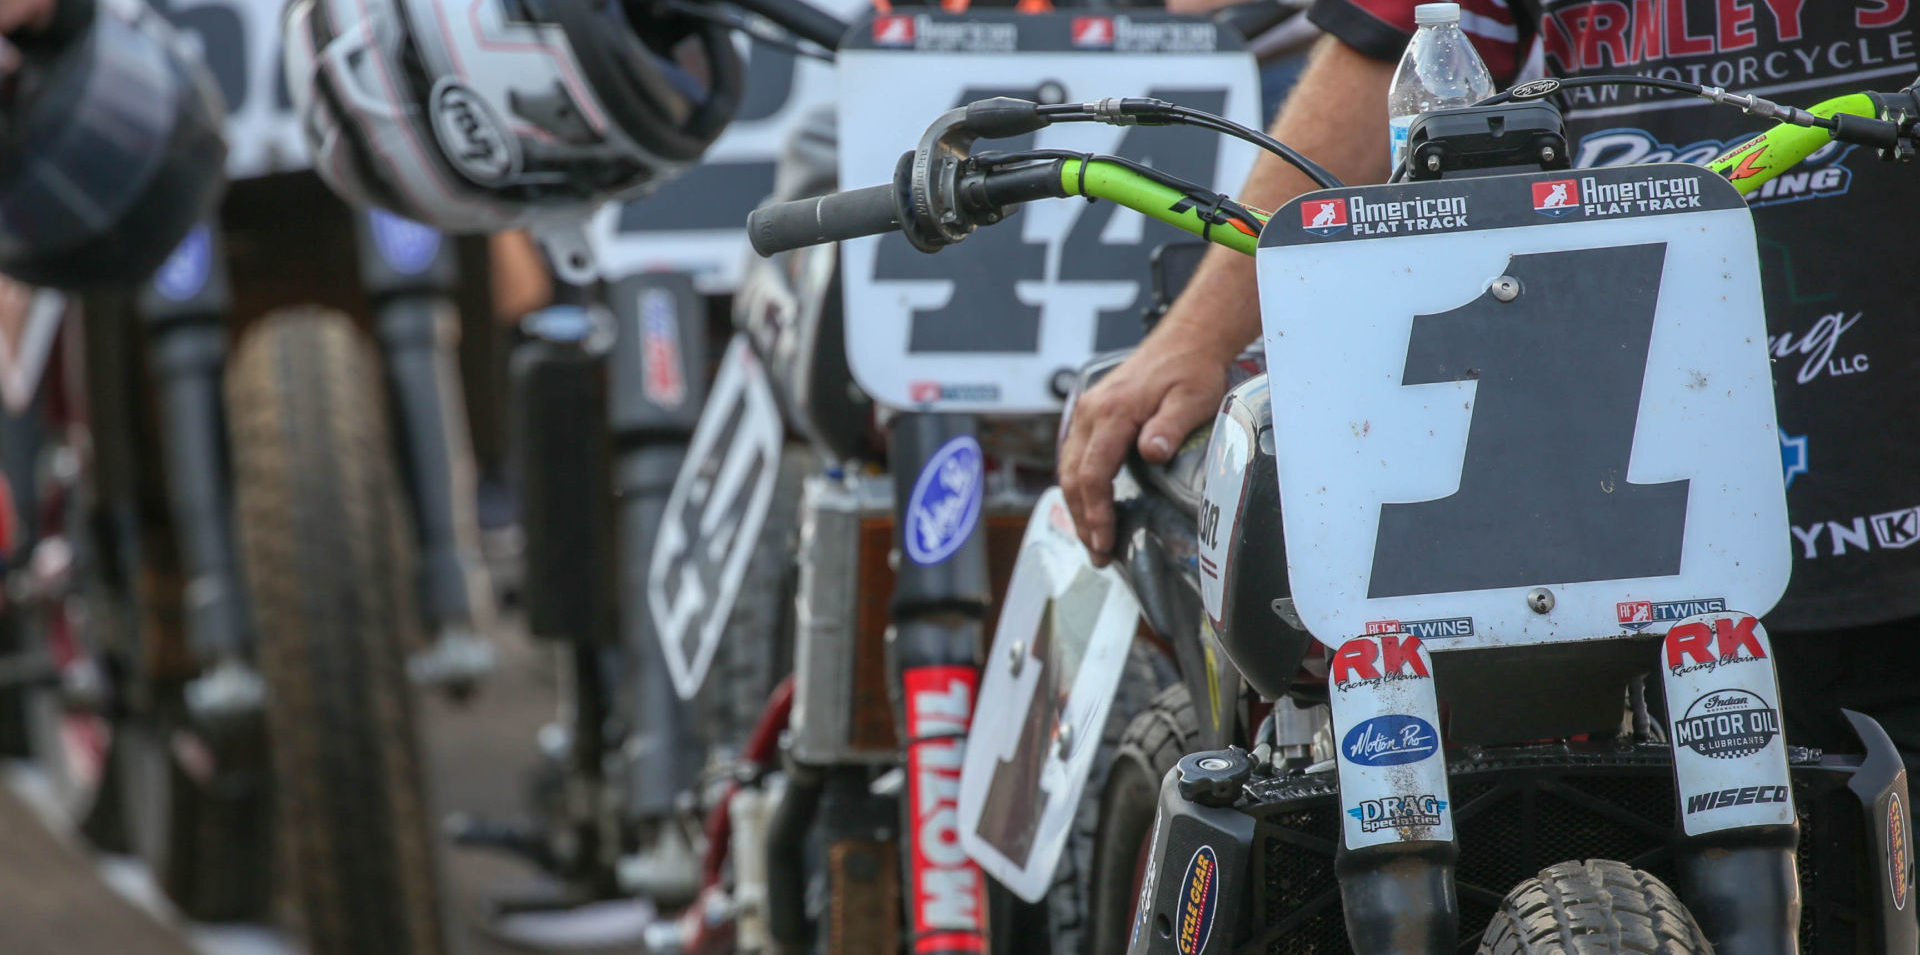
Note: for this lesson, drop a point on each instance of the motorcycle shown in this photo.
(1551, 653)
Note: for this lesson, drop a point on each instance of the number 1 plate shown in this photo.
(988, 324)
(1523, 409)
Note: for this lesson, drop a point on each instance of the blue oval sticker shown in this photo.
(1390, 741)
(407, 246)
(945, 504)
(1199, 897)
(184, 274)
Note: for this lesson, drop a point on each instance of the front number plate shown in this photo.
(1498, 396)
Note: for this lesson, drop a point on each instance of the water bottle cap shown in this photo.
(1427, 14)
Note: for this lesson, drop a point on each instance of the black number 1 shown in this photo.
(1543, 495)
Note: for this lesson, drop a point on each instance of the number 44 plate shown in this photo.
(1058, 652)
(1531, 408)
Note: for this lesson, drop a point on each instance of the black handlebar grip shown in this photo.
(830, 218)
(800, 18)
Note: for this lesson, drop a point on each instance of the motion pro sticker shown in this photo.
(945, 503)
(1392, 740)
(184, 274)
(405, 245)
(1199, 899)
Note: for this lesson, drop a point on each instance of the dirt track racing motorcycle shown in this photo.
(1496, 715)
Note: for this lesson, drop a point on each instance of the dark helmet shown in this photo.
(110, 151)
(485, 114)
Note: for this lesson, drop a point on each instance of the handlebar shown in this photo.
(942, 191)
(830, 218)
(799, 18)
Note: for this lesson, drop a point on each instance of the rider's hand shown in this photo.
(24, 15)
(1169, 386)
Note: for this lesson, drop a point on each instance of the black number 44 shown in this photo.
(1543, 496)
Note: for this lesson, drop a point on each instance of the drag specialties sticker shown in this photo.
(185, 272)
(945, 504)
(1899, 852)
(407, 247)
(1393, 778)
(1199, 899)
(1729, 757)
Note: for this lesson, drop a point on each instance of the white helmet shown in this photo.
(479, 115)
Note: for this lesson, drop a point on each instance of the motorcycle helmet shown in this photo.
(480, 115)
(110, 147)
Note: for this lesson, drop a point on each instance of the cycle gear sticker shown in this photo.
(1393, 775)
(987, 324)
(1059, 653)
(1546, 412)
(1199, 900)
(1723, 713)
(713, 517)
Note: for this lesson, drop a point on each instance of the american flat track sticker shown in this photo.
(1525, 402)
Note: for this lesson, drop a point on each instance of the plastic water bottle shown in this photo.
(1440, 70)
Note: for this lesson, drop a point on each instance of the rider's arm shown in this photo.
(1174, 381)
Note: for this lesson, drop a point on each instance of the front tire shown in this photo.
(1167, 729)
(1597, 907)
(328, 561)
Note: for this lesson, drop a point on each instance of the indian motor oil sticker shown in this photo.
(1729, 756)
(1393, 775)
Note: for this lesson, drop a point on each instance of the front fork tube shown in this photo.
(186, 310)
(941, 594)
(410, 273)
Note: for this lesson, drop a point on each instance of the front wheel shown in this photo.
(328, 562)
(1167, 729)
(1597, 907)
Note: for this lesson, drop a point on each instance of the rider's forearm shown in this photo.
(1337, 115)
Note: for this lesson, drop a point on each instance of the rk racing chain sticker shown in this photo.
(948, 891)
(1729, 758)
(945, 503)
(1386, 718)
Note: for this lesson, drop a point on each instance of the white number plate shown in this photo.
(985, 325)
(1058, 652)
(1523, 409)
(713, 517)
(240, 42)
(697, 223)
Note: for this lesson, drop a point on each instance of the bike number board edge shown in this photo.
(1386, 718)
(1540, 404)
(1723, 714)
(711, 525)
(1059, 651)
(987, 325)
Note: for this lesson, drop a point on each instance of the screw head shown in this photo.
(1547, 154)
(1433, 162)
(1017, 656)
(1506, 288)
(1065, 744)
(1540, 600)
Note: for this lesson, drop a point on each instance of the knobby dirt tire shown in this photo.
(1597, 907)
(1155, 739)
(328, 560)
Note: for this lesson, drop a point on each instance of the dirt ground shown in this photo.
(56, 899)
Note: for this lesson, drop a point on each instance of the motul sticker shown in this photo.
(949, 892)
(1729, 758)
(1199, 899)
(1393, 779)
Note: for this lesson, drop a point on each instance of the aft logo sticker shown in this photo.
(1093, 32)
(893, 30)
(1558, 198)
(945, 504)
(1199, 901)
(1324, 217)
(1440, 628)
